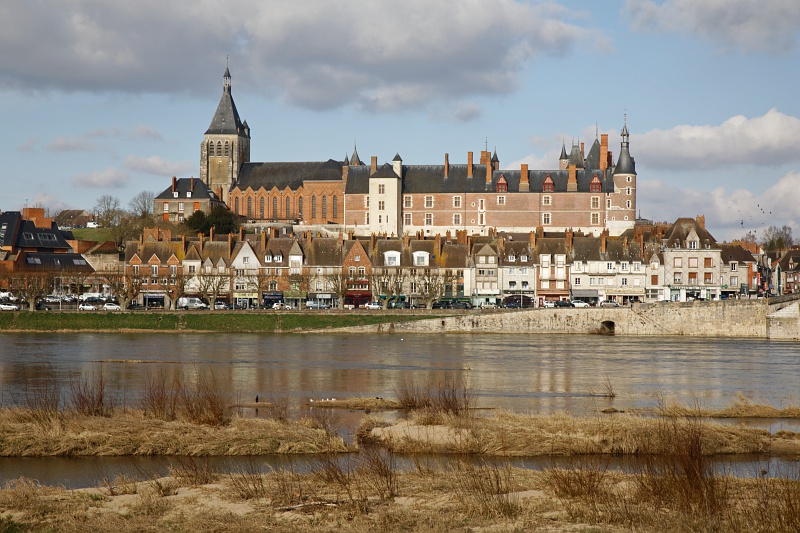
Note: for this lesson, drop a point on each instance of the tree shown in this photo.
(430, 285)
(775, 238)
(31, 286)
(197, 222)
(141, 205)
(222, 220)
(339, 283)
(107, 211)
(389, 282)
(124, 286)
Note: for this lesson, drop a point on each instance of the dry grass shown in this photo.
(508, 434)
(466, 496)
(131, 433)
(356, 404)
(445, 393)
(742, 407)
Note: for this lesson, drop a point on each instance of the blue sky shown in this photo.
(113, 98)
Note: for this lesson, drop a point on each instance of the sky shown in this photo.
(112, 98)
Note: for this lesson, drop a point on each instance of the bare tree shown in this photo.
(124, 286)
(212, 284)
(430, 285)
(107, 211)
(775, 238)
(31, 286)
(141, 205)
(339, 283)
(390, 282)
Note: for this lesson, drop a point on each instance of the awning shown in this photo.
(584, 293)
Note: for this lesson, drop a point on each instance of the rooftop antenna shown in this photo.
(596, 131)
(487, 144)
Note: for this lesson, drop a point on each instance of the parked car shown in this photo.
(314, 304)
(512, 305)
(84, 306)
(281, 305)
(442, 305)
(42, 306)
(579, 303)
(373, 305)
(549, 303)
(487, 305)
(6, 306)
(609, 303)
(133, 305)
(111, 306)
(564, 303)
(219, 305)
(462, 305)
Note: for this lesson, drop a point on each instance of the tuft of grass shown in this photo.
(444, 394)
(247, 481)
(484, 489)
(88, 395)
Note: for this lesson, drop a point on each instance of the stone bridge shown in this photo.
(773, 318)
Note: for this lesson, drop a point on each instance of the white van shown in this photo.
(191, 303)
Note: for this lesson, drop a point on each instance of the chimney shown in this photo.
(569, 236)
(640, 238)
(582, 156)
(524, 184)
(603, 241)
(469, 164)
(191, 184)
(625, 241)
(241, 233)
(372, 241)
(211, 233)
(438, 248)
(406, 239)
(610, 159)
(263, 240)
(447, 236)
(183, 243)
(701, 221)
(174, 183)
(603, 151)
(488, 171)
(532, 240)
(230, 243)
(572, 182)
(373, 165)
(200, 236)
(446, 166)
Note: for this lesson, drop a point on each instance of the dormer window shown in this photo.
(268, 259)
(595, 185)
(523, 258)
(188, 194)
(512, 257)
(278, 258)
(420, 258)
(175, 194)
(392, 258)
(547, 184)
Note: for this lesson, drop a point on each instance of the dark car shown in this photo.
(512, 305)
(461, 305)
(442, 305)
(564, 303)
(41, 306)
(135, 305)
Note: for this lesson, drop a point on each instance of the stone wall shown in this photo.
(734, 318)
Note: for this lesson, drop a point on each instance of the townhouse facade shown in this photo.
(186, 196)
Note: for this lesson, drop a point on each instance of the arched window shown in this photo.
(261, 213)
(227, 148)
(313, 207)
(335, 207)
(324, 207)
(288, 207)
(219, 147)
(249, 206)
(300, 207)
(236, 206)
(274, 208)
(210, 148)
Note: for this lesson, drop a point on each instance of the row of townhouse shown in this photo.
(648, 263)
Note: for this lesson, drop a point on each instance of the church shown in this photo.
(586, 191)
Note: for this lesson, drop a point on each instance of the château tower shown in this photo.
(226, 144)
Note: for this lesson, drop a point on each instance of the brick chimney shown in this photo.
(446, 166)
(488, 171)
(438, 246)
(572, 182)
(345, 174)
(174, 183)
(532, 240)
(241, 233)
(373, 165)
(406, 239)
(524, 184)
(372, 240)
(603, 241)
(603, 151)
(701, 221)
(569, 236)
(183, 242)
(200, 236)
(582, 156)
(469, 164)
(211, 233)
(230, 243)
(191, 184)
(263, 240)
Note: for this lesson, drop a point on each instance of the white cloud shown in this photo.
(140, 131)
(729, 215)
(71, 144)
(769, 140)
(749, 25)
(28, 145)
(159, 166)
(110, 177)
(377, 55)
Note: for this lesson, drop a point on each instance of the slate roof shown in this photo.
(429, 179)
(163, 250)
(734, 253)
(288, 174)
(184, 185)
(226, 119)
(680, 230)
(49, 261)
(323, 251)
(16, 232)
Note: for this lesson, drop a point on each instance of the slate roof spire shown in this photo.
(355, 160)
(226, 119)
(625, 164)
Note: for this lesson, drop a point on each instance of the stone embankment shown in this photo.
(776, 318)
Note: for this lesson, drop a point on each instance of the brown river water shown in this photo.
(521, 373)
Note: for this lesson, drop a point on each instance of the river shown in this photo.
(522, 373)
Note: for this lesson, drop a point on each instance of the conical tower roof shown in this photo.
(226, 119)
